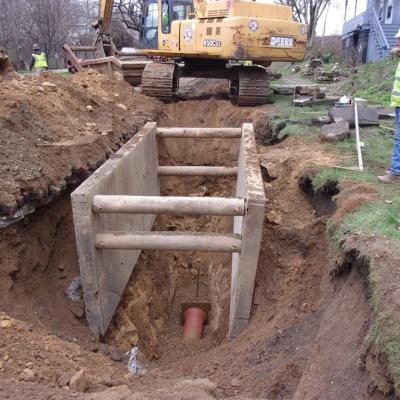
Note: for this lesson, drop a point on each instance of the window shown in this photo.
(389, 12)
(181, 11)
(151, 16)
(165, 24)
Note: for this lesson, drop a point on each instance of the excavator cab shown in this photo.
(165, 12)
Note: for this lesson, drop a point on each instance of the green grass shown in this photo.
(297, 119)
(66, 75)
(373, 82)
(380, 217)
(385, 330)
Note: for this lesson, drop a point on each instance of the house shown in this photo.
(369, 36)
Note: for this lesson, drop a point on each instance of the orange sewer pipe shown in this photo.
(195, 319)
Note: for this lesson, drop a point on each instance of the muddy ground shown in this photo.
(306, 337)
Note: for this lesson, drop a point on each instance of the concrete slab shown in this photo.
(366, 116)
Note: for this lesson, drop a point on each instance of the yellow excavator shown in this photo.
(233, 39)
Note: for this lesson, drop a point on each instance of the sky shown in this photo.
(335, 20)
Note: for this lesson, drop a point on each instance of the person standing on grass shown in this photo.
(39, 60)
(393, 175)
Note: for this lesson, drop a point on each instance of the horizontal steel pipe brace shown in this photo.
(196, 171)
(168, 205)
(205, 133)
(170, 241)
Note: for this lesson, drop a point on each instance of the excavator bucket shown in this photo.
(6, 67)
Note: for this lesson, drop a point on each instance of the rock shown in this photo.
(55, 190)
(366, 116)
(118, 76)
(78, 382)
(316, 62)
(310, 101)
(115, 354)
(28, 375)
(335, 132)
(269, 170)
(40, 89)
(64, 379)
(122, 106)
(5, 323)
(90, 108)
(50, 87)
(324, 120)
(386, 113)
(235, 382)
(77, 309)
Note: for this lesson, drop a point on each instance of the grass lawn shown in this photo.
(381, 217)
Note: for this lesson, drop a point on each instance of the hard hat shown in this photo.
(36, 47)
(398, 35)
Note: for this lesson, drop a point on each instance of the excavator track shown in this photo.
(160, 80)
(251, 87)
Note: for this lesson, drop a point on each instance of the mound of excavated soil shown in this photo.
(53, 130)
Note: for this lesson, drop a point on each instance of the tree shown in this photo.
(52, 20)
(130, 13)
(309, 12)
(47, 22)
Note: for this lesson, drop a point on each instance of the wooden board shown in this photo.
(250, 186)
(105, 273)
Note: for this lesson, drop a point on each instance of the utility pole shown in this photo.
(355, 8)
(345, 10)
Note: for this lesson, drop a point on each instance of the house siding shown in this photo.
(362, 40)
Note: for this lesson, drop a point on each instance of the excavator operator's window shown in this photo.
(165, 16)
(151, 16)
(181, 11)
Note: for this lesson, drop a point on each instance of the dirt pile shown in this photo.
(55, 131)
(6, 68)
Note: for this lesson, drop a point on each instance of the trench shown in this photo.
(299, 317)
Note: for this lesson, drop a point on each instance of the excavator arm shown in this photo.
(105, 13)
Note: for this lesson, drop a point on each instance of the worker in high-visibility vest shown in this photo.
(39, 60)
(393, 175)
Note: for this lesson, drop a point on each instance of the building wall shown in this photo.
(355, 47)
(396, 16)
(378, 4)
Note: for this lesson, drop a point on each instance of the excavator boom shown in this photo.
(105, 13)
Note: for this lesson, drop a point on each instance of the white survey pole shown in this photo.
(359, 144)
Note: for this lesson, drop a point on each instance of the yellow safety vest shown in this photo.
(40, 61)
(396, 89)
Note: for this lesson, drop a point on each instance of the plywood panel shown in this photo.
(105, 273)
